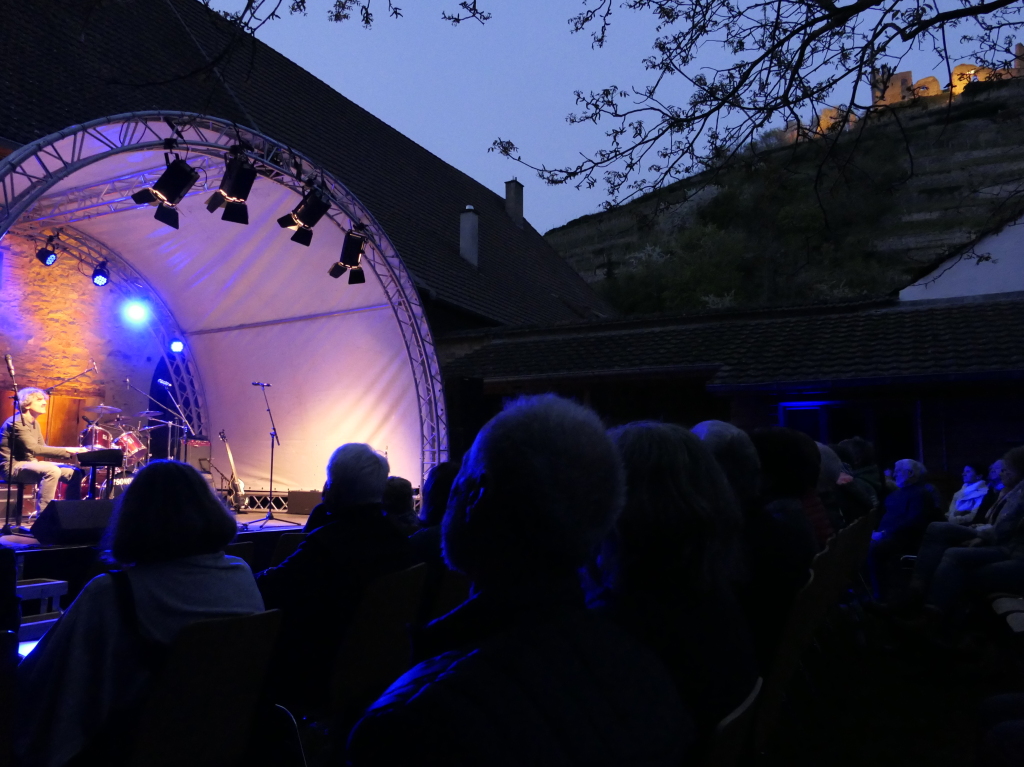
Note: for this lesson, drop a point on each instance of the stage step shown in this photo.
(35, 626)
(46, 589)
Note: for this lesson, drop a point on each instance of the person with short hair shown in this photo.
(522, 672)
(24, 452)
(400, 505)
(168, 532)
(973, 499)
(318, 588)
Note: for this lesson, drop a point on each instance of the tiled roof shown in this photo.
(884, 341)
(66, 63)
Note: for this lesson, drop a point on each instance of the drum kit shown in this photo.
(126, 441)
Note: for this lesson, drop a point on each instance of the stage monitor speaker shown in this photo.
(302, 501)
(65, 523)
(197, 454)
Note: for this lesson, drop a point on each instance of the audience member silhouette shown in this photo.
(426, 543)
(968, 546)
(973, 500)
(670, 565)
(866, 491)
(522, 673)
(400, 506)
(828, 486)
(83, 683)
(318, 587)
(908, 512)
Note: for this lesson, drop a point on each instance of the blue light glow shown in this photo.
(135, 312)
(177, 346)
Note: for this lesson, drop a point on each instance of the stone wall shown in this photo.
(53, 321)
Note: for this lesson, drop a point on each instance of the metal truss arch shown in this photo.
(126, 281)
(28, 197)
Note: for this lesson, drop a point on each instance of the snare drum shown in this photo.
(95, 438)
(130, 443)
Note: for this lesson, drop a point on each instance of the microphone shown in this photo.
(162, 382)
(256, 383)
(127, 383)
(95, 367)
(10, 365)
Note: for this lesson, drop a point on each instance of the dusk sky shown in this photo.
(456, 89)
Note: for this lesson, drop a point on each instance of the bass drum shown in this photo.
(95, 438)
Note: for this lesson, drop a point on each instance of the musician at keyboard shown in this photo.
(33, 459)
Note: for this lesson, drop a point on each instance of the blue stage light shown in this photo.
(135, 312)
(100, 275)
(177, 346)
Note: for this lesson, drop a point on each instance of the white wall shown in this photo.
(958, 276)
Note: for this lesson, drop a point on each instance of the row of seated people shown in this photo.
(628, 589)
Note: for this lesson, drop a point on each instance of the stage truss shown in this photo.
(28, 175)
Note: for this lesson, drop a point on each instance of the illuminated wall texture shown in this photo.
(53, 320)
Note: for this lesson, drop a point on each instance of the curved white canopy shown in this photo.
(347, 363)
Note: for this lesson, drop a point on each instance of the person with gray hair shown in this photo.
(319, 587)
(736, 454)
(522, 673)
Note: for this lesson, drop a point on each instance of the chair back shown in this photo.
(809, 607)
(8, 693)
(244, 550)
(377, 649)
(285, 547)
(732, 733)
(202, 702)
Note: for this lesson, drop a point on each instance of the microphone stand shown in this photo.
(270, 495)
(187, 428)
(171, 425)
(69, 380)
(7, 529)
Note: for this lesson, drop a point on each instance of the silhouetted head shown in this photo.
(436, 489)
(736, 454)
(537, 491)
(680, 526)
(356, 475)
(790, 462)
(168, 512)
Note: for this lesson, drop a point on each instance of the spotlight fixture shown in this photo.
(305, 216)
(47, 255)
(239, 176)
(100, 275)
(169, 189)
(352, 248)
(356, 276)
(135, 312)
(177, 346)
(337, 269)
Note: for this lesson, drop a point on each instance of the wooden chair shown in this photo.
(285, 547)
(808, 609)
(244, 550)
(377, 649)
(732, 733)
(202, 703)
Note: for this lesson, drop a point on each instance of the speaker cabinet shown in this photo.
(65, 523)
(302, 501)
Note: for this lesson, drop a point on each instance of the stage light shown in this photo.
(305, 216)
(100, 275)
(352, 248)
(135, 312)
(47, 256)
(337, 269)
(177, 346)
(356, 276)
(239, 176)
(169, 190)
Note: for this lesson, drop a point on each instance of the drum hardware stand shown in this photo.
(187, 427)
(270, 495)
(169, 424)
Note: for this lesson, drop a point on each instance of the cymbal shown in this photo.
(102, 409)
(148, 414)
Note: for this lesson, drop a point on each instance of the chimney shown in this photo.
(469, 235)
(514, 201)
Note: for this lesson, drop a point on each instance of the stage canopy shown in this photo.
(347, 362)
